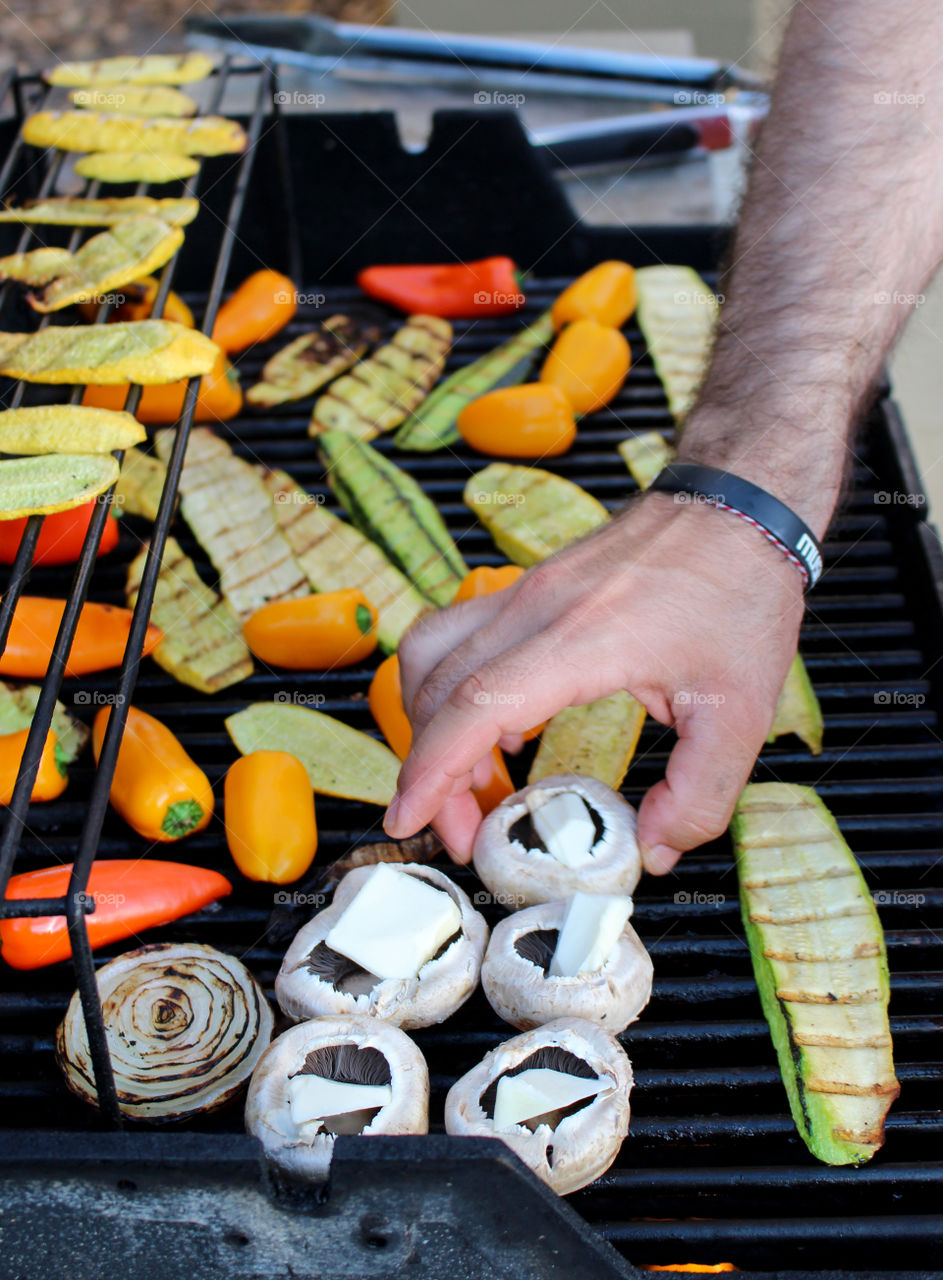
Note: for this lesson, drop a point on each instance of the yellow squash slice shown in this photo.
(94, 131)
(310, 361)
(149, 352)
(140, 485)
(77, 211)
(597, 740)
(135, 100)
(136, 166)
(35, 266)
(67, 428)
(56, 482)
(153, 68)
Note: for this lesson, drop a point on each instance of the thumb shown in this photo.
(707, 770)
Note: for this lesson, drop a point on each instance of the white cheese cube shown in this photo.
(537, 1091)
(312, 1098)
(590, 930)
(394, 924)
(566, 827)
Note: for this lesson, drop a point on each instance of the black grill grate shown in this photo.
(712, 1169)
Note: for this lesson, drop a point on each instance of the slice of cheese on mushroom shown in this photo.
(539, 1092)
(565, 825)
(591, 927)
(313, 1100)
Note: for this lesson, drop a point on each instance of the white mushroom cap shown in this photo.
(522, 992)
(442, 985)
(268, 1113)
(523, 875)
(583, 1144)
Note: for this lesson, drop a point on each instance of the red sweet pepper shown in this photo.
(130, 894)
(61, 536)
(453, 290)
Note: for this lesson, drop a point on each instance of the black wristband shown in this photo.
(779, 523)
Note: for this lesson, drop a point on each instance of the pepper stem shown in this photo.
(181, 818)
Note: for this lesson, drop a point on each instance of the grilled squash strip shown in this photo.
(135, 100)
(77, 211)
(202, 645)
(35, 266)
(93, 131)
(645, 455)
(149, 352)
(310, 361)
(821, 968)
(381, 392)
(17, 707)
(230, 512)
(676, 312)
(136, 166)
(140, 485)
(67, 428)
(334, 555)
(153, 68)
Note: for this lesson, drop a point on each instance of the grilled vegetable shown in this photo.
(79, 211)
(388, 505)
(455, 290)
(185, 1026)
(645, 455)
(130, 895)
(589, 363)
(99, 642)
(434, 424)
(385, 697)
(487, 579)
(67, 428)
(114, 257)
(139, 304)
(530, 513)
(61, 537)
(140, 485)
(798, 710)
(135, 100)
(136, 166)
(530, 421)
(597, 740)
(53, 482)
(333, 555)
(262, 305)
(148, 352)
(35, 266)
(676, 313)
(228, 508)
(156, 787)
(17, 707)
(605, 294)
(218, 399)
(270, 824)
(821, 968)
(383, 390)
(153, 68)
(340, 761)
(310, 361)
(51, 778)
(202, 643)
(321, 632)
(92, 131)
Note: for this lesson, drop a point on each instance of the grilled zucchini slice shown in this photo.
(597, 740)
(334, 555)
(67, 428)
(340, 761)
(153, 68)
(310, 361)
(531, 513)
(149, 352)
(383, 390)
(54, 482)
(433, 425)
(140, 485)
(94, 131)
(135, 100)
(77, 211)
(676, 312)
(225, 503)
(645, 455)
(388, 506)
(136, 166)
(202, 645)
(798, 710)
(821, 968)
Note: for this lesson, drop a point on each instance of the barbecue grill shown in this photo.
(712, 1169)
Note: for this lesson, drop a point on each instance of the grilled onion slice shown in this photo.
(185, 1024)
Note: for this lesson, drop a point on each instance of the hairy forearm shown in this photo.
(842, 226)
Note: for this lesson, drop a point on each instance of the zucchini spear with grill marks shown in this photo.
(229, 510)
(388, 506)
(202, 645)
(149, 352)
(383, 390)
(821, 968)
(310, 361)
(433, 424)
(334, 555)
(676, 312)
(77, 211)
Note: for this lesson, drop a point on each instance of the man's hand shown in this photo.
(685, 606)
